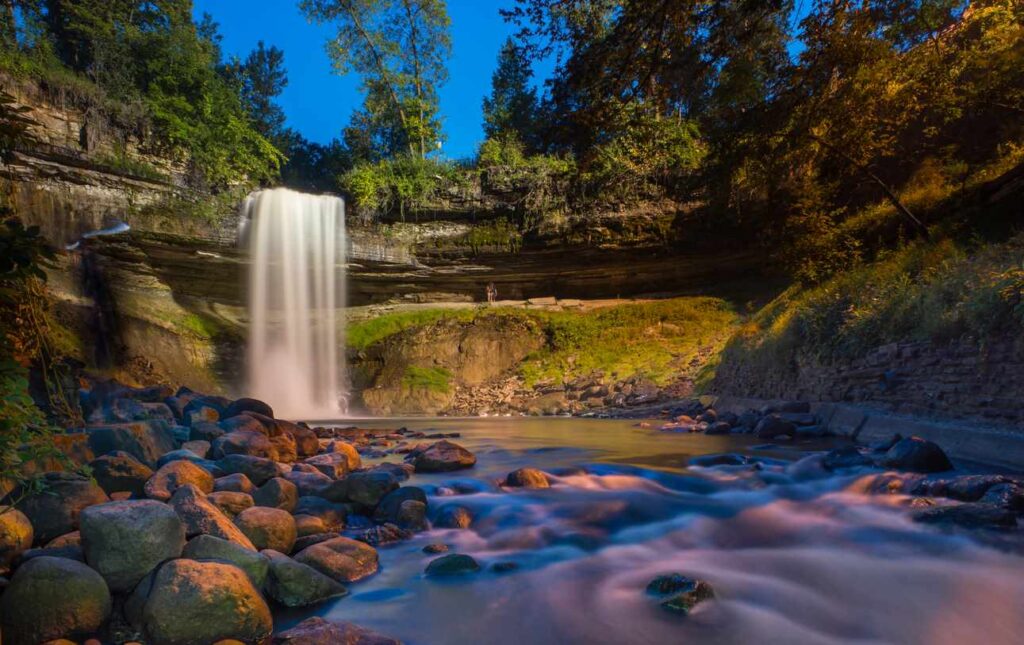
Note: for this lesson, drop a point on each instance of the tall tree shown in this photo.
(511, 109)
(400, 48)
(261, 78)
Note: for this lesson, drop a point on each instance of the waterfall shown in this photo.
(296, 283)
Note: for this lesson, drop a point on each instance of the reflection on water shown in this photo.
(794, 556)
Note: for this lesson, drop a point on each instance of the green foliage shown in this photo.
(144, 66)
(660, 340)
(122, 163)
(432, 379)
(511, 109)
(398, 185)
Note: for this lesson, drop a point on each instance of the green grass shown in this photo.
(925, 291)
(658, 340)
(434, 379)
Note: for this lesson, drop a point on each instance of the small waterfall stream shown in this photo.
(296, 284)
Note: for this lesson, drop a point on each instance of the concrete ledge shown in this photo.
(962, 440)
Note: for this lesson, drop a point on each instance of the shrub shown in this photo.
(402, 184)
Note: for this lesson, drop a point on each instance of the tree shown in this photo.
(511, 109)
(400, 48)
(260, 79)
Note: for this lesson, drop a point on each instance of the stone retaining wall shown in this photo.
(963, 379)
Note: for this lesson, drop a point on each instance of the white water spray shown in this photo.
(296, 283)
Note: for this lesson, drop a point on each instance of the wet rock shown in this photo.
(119, 471)
(230, 503)
(412, 515)
(124, 541)
(237, 483)
(201, 517)
(384, 534)
(268, 528)
(277, 493)
(1008, 496)
(204, 408)
(257, 469)
(883, 445)
(243, 442)
(309, 483)
(334, 464)
(50, 598)
(144, 440)
(726, 459)
(683, 593)
(846, 457)
(190, 602)
(527, 478)
(309, 525)
(916, 455)
(719, 428)
(453, 564)
(317, 631)
(364, 488)
(453, 517)
(54, 510)
(169, 478)
(239, 406)
(444, 456)
(333, 515)
(389, 506)
(294, 584)
(343, 559)
(15, 536)
(198, 447)
(400, 472)
(73, 538)
(208, 547)
(970, 516)
(435, 548)
(748, 420)
(309, 540)
(205, 431)
(774, 427)
(971, 488)
(505, 566)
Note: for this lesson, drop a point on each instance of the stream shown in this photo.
(795, 554)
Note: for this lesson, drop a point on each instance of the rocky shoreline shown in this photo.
(198, 516)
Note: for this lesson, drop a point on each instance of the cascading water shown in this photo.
(296, 283)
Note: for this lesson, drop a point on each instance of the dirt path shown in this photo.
(366, 312)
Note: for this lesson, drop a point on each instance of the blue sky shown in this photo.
(318, 102)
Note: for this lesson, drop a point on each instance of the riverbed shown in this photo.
(795, 554)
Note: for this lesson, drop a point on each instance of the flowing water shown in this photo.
(297, 249)
(795, 555)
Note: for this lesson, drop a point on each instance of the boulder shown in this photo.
(412, 515)
(15, 536)
(189, 602)
(678, 593)
(308, 483)
(332, 464)
(54, 509)
(435, 548)
(310, 540)
(309, 525)
(50, 598)
(169, 478)
(204, 408)
(339, 447)
(974, 515)
(277, 493)
(334, 516)
(184, 455)
(1008, 496)
(389, 506)
(236, 483)
(318, 631)
(365, 488)
(205, 431)
(207, 547)
(73, 538)
(239, 406)
(384, 534)
(243, 442)
(443, 456)
(147, 441)
(257, 469)
(268, 528)
(199, 447)
(773, 426)
(343, 559)
(124, 541)
(231, 503)
(120, 472)
(527, 478)
(453, 564)
(201, 517)
(916, 455)
(294, 584)
(453, 516)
